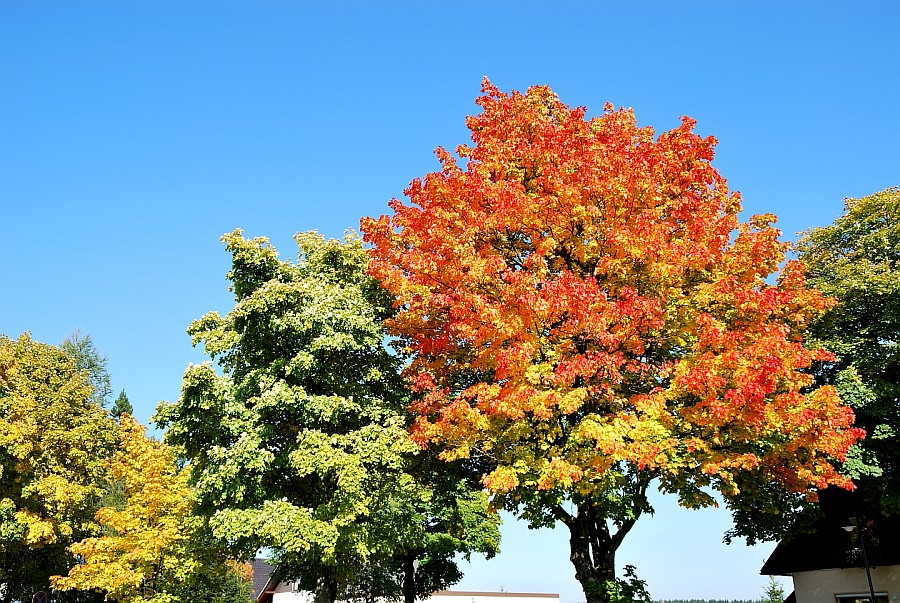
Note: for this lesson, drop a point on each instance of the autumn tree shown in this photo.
(53, 443)
(587, 314)
(856, 260)
(151, 549)
(300, 443)
(133, 562)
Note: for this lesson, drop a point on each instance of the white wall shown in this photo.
(283, 594)
(821, 586)
(449, 596)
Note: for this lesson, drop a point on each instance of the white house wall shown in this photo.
(283, 594)
(481, 597)
(821, 586)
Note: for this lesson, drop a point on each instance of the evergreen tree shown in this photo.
(121, 406)
(774, 592)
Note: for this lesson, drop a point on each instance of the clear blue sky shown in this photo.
(133, 134)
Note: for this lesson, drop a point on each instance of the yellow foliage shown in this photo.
(139, 557)
(53, 444)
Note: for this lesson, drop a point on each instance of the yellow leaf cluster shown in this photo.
(53, 444)
(138, 557)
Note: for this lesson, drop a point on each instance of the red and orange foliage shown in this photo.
(582, 294)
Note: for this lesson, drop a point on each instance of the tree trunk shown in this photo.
(409, 578)
(593, 553)
(326, 585)
(592, 547)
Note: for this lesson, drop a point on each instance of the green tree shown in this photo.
(300, 444)
(53, 443)
(121, 406)
(774, 592)
(446, 518)
(84, 353)
(856, 259)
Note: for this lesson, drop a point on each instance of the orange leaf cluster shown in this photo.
(582, 293)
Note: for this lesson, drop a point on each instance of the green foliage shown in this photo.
(446, 518)
(232, 586)
(87, 358)
(300, 443)
(121, 406)
(628, 589)
(857, 260)
(774, 592)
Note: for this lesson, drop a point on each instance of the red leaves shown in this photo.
(578, 287)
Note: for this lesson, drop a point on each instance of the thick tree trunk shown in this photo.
(593, 553)
(326, 585)
(592, 546)
(409, 578)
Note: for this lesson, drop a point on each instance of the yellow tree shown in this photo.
(53, 447)
(142, 556)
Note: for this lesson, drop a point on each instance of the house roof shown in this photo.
(262, 574)
(832, 547)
